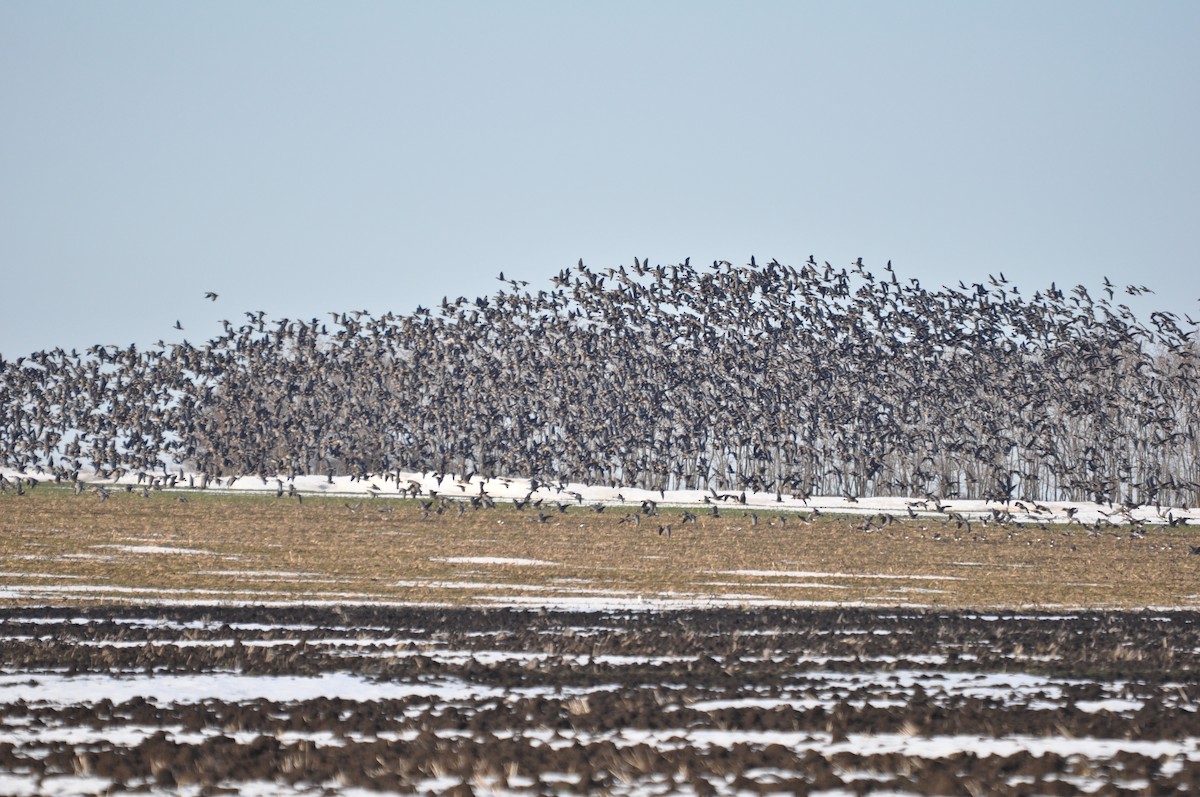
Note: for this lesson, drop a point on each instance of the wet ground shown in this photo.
(296, 700)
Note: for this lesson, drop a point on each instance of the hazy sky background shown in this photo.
(300, 158)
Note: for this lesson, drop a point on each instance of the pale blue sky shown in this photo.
(300, 158)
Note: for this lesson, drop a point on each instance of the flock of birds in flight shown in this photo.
(768, 377)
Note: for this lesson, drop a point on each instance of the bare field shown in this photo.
(202, 643)
(212, 547)
(304, 701)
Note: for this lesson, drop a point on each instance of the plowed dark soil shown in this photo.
(207, 700)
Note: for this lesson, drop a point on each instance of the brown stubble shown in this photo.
(321, 550)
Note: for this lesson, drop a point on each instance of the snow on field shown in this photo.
(156, 549)
(67, 690)
(492, 560)
(838, 691)
(824, 689)
(507, 489)
(817, 574)
(552, 598)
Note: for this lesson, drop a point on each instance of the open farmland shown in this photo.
(198, 546)
(667, 529)
(195, 642)
(303, 700)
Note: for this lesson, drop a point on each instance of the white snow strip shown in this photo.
(819, 574)
(508, 489)
(65, 690)
(492, 560)
(257, 573)
(156, 549)
(780, 584)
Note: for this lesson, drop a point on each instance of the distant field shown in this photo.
(206, 547)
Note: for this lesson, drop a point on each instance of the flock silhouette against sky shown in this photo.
(798, 380)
